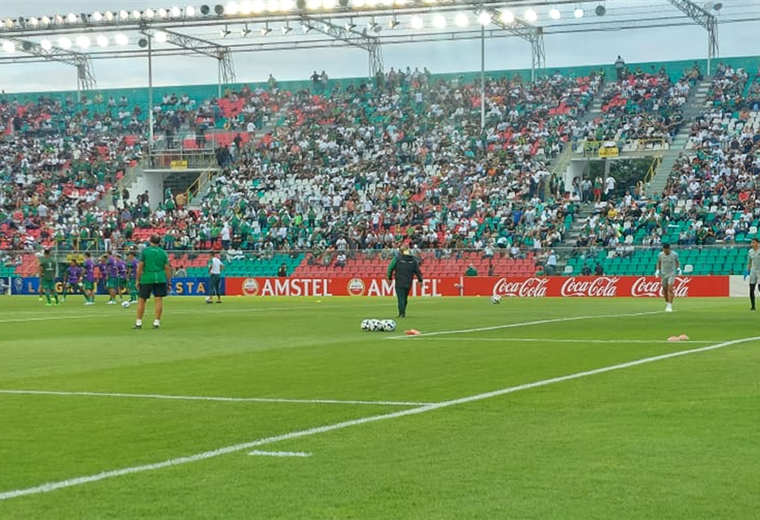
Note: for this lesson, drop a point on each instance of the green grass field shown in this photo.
(674, 438)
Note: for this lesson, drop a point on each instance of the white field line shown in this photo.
(280, 453)
(52, 486)
(527, 323)
(212, 398)
(71, 315)
(559, 340)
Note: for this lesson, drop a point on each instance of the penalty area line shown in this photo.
(52, 486)
(212, 398)
(567, 340)
(280, 453)
(526, 324)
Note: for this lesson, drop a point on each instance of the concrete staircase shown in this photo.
(694, 108)
(579, 221)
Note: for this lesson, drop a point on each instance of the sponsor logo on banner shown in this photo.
(604, 286)
(647, 287)
(250, 287)
(355, 287)
(530, 287)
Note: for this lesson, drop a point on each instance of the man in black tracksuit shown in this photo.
(406, 268)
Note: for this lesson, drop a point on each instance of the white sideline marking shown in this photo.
(52, 486)
(528, 323)
(311, 305)
(212, 398)
(280, 453)
(560, 340)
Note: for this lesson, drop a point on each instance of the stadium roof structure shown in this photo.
(220, 30)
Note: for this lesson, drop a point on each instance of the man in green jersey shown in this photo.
(154, 275)
(47, 277)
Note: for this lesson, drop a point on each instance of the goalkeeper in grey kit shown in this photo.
(405, 267)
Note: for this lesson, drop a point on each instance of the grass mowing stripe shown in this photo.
(212, 398)
(52, 486)
(526, 324)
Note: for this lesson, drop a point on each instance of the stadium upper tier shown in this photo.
(372, 163)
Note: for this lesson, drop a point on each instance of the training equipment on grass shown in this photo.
(683, 337)
(372, 325)
(125, 304)
(413, 332)
(495, 299)
(674, 338)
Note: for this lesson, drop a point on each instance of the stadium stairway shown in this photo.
(584, 211)
(694, 107)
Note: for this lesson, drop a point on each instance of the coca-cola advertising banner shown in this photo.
(596, 286)
(529, 287)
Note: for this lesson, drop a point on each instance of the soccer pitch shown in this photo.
(284, 408)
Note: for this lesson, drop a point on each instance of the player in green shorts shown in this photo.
(112, 278)
(132, 276)
(47, 271)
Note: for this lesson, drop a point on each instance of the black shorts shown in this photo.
(159, 290)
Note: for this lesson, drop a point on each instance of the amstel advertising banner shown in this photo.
(536, 287)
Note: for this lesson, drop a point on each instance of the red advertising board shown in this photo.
(596, 286)
(531, 287)
(336, 286)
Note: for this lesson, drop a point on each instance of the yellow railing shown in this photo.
(652, 171)
(598, 147)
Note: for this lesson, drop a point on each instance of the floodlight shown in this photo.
(439, 21)
(531, 15)
(83, 42)
(417, 23)
(161, 36)
(232, 8)
(46, 44)
(461, 20)
(555, 14)
(64, 43)
(578, 13)
(484, 18)
(507, 17)
(121, 39)
(102, 40)
(9, 46)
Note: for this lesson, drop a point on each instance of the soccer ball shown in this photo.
(496, 299)
(375, 325)
(125, 304)
(365, 325)
(389, 325)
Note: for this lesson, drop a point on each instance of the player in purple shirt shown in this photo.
(90, 279)
(132, 276)
(112, 278)
(72, 279)
(121, 274)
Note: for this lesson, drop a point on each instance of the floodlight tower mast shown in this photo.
(530, 33)
(706, 19)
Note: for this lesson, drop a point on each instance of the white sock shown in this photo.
(138, 323)
(156, 323)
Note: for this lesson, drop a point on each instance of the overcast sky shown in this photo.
(501, 53)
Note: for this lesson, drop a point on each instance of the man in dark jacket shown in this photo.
(406, 268)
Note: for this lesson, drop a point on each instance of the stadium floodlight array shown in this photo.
(246, 9)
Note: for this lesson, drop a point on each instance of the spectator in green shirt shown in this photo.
(471, 271)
